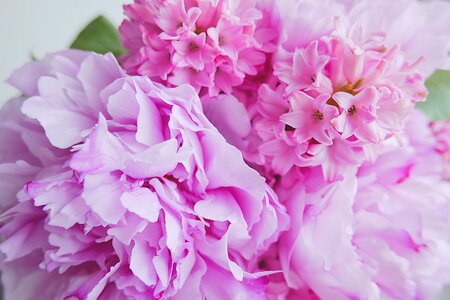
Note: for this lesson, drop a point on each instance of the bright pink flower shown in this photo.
(121, 188)
(226, 77)
(219, 38)
(229, 38)
(191, 51)
(174, 20)
(195, 77)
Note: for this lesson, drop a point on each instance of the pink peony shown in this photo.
(362, 76)
(441, 131)
(117, 187)
(212, 45)
(382, 233)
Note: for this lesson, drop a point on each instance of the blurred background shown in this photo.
(30, 27)
(33, 28)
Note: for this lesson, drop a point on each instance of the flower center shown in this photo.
(221, 40)
(193, 47)
(352, 110)
(262, 264)
(317, 115)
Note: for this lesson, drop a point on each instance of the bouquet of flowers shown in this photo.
(233, 149)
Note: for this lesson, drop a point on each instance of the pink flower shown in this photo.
(174, 20)
(441, 131)
(310, 117)
(234, 125)
(229, 38)
(371, 81)
(225, 40)
(358, 114)
(336, 160)
(306, 69)
(408, 24)
(121, 188)
(369, 236)
(278, 147)
(192, 52)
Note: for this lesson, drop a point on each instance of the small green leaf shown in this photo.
(99, 36)
(437, 106)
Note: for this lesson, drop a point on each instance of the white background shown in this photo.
(40, 26)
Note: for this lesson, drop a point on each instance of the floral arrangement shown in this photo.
(233, 149)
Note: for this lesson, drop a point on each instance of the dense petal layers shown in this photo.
(212, 45)
(362, 67)
(121, 188)
(381, 233)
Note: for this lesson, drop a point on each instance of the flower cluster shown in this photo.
(248, 149)
(337, 93)
(379, 234)
(128, 190)
(209, 44)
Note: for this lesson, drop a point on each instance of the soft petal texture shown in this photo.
(212, 45)
(362, 63)
(117, 187)
(381, 233)
(164, 184)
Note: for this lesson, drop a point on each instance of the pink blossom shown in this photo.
(192, 52)
(358, 114)
(369, 236)
(370, 79)
(441, 131)
(229, 38)
(306, 69)
(408, 24)
(310, 117)
(225, 40)
(121, 188)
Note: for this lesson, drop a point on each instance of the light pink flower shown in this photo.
(306, 69)
(369, 236)
(121, 188)
(174, 20)
(408, 24)
(310, 117)
(358, 114)
(441, 131)
(373, 83)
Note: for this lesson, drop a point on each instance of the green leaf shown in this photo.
(437, 106)
(99, 36)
